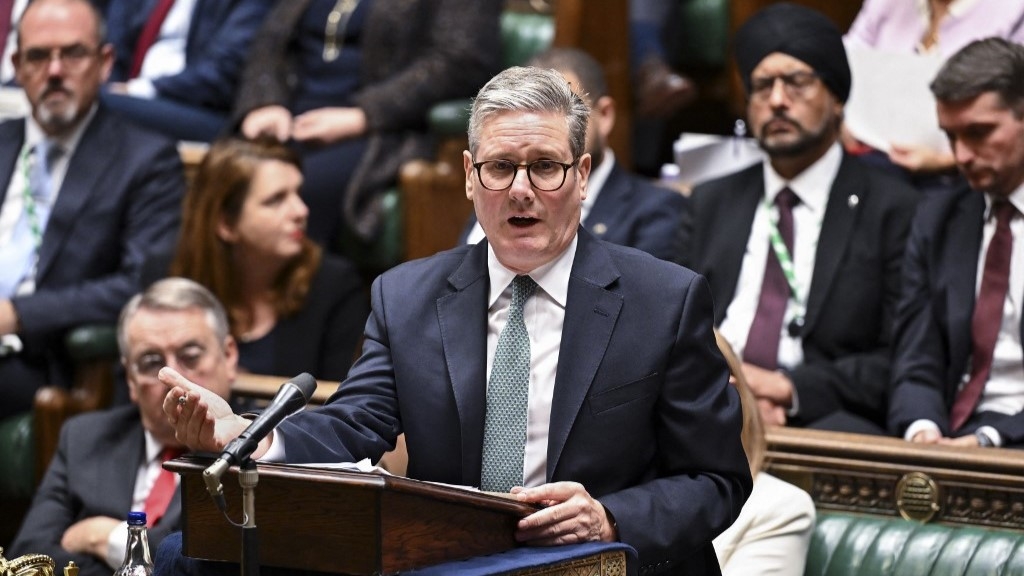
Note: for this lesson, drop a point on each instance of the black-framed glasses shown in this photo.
(71, 57)
(188, 358)
(544, 175)
(795, 85)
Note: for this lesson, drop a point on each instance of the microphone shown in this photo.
(291, 397)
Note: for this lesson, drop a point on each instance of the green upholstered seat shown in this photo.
(857, 545)
(17, 458)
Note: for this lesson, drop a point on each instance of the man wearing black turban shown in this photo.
(803, 251)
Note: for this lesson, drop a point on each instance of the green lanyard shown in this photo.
(786, 262)
(28, 160)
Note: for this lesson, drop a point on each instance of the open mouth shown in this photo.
(522, 221)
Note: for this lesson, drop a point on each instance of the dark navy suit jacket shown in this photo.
(92, 474)
(642, 413)
(854, 288)
(932, 338)
(218, 43)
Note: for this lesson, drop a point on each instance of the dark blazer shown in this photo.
(120, 201)
(451, 51)
(642, 412)
(932, 337)
(853, 292)
(322, 337)
(219, 37)
(92, 474)
(631, 211)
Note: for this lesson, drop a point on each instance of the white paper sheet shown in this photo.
(702, 157)
(890, 102)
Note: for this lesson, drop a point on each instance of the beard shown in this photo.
(805, 141)
(57, 117)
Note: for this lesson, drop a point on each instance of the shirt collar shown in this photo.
(812, 186)
(552, 277)
(1016, 198)
(34, 133)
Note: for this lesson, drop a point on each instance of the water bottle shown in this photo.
(137, 559)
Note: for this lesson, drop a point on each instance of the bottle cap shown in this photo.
(136, 518)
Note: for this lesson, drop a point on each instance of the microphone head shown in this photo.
(306, 384)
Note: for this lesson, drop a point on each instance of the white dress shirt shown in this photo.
(813, 187)
(166, 56)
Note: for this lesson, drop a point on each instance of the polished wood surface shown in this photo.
(339, 521)
(869, 474)
(264, 387)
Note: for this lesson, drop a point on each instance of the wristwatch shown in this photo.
(983, 440)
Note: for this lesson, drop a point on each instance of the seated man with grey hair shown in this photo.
(110, 462)
(576, 374)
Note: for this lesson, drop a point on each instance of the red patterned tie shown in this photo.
(163, 489)
(988, 314)
(762, 348)
(149, 35)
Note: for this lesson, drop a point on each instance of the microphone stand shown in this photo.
(248, 477)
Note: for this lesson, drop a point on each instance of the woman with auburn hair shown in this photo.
(773, 531)
(292, 307)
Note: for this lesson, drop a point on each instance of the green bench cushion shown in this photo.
(855, 545)
(17, 457)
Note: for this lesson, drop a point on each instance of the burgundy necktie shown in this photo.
(6, 7)
(762, 348)
(988, 314)
(162, 492)
(149, 35)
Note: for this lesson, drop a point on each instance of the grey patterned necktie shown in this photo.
(508, 392)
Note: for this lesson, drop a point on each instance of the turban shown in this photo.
(800, 32)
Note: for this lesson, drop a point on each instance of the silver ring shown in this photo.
(183, 399)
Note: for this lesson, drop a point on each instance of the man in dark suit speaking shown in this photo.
(803, 251)
(85, 198)
(542, 358)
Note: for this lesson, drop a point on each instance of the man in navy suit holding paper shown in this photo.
(575, 373)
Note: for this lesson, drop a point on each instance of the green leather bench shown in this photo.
(846, 544)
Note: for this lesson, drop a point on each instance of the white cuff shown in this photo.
(919, 426)
(992, 434)
(141, 88)
(116, 543)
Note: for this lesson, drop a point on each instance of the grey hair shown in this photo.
(529, 89)
(989, 65)
(174, 295)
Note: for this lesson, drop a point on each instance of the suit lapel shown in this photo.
(592, 310)
(462, 317)
(728, 235)
(848, 194)
(97, 146)
(960, 273)
(12, 134)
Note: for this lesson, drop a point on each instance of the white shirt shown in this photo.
(544, 315)
(1004, 391)
(146, 476)
(166, 56)
(813, 187)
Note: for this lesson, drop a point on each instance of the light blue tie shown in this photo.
(508, 393)
(18, 256)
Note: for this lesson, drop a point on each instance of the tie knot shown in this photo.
(522, 288)
(1003, 210)
(786, 198)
